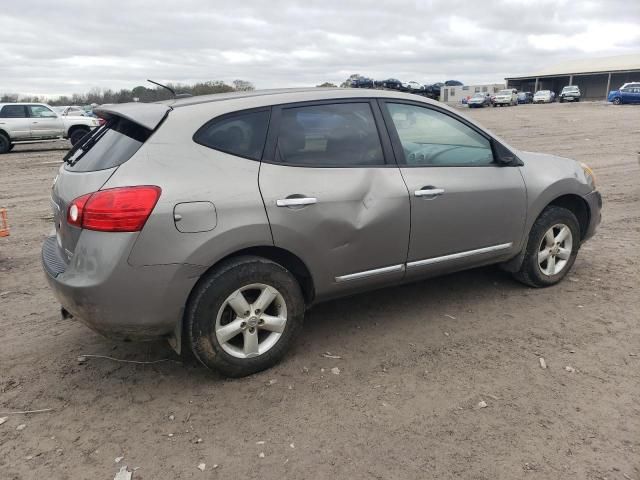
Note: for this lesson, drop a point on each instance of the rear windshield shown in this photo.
(108, 146)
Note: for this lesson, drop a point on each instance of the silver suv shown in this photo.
(31, 122)
(218, 220)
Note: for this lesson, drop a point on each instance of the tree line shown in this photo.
(137, 94)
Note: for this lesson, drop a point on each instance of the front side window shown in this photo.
(332, 135)
(432, 138)
(40, 111)
(242, 134)
(13, 111)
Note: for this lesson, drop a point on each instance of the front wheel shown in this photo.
(552, 248)
(617, 101)
(244, 316)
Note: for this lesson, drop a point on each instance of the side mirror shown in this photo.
(504, 156)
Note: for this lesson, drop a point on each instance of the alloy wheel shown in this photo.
(251, 320)
(555, 249)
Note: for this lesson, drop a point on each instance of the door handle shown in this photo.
(296, 201)
(429, 192)
(34, 122)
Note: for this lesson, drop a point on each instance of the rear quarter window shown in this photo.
(242, 133)
(109, 146)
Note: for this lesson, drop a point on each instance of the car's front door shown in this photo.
(334, 196)
(13, 119)
(466, 209)
(45, 123)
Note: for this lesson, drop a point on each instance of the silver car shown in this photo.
(216, 221)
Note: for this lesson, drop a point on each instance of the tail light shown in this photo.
(123, 209)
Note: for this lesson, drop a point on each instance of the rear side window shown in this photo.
(242, 134)
(330, 135)
(13, 111)
(111, 145)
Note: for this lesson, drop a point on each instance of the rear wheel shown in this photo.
(5, 144)
(244, 316)
(77, 135)
(552, 248)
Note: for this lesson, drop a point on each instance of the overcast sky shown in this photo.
(61, 47)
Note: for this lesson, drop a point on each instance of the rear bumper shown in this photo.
(594, 200)
(99, 288)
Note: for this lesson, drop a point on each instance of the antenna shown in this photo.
(173, 92)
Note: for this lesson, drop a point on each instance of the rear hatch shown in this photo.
(92, 161)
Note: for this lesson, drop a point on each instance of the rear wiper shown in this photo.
(82, 150)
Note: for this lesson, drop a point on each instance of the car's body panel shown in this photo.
(480, 207)
(172, 160)
(359, 223)
(356, 237)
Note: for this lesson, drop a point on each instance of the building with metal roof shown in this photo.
(595, 76)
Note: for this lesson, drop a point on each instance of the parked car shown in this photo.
(543, 96)
(479, 100)
(525, 97)
(570, 93)
(508, 96)
(72, 110)
(362, 82)
(229, 246)
(412, 87)
(433, 91)
(628, 93)
(453, 83)
(392, 83)
(27, 122)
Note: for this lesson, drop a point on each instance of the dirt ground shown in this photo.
(416, 360)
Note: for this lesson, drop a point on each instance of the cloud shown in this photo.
(75, 45)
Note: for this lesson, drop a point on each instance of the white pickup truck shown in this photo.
(32, 122)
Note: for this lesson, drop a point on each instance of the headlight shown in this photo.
(588, 172)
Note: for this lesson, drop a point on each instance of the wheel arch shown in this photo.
(5, 133)
(73, 128)
(572, 202)
(280, 256)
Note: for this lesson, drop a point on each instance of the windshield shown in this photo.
(570, 88)
(544, 92)
(505, 92)
(478, 95)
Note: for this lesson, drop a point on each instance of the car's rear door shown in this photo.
(466, 209)
(334, 195)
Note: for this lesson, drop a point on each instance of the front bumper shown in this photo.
(594, 201)
(99, 288)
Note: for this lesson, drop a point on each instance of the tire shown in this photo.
(5, 144)
(209, 309)
(77, 135)
(617, 101)
(554, 219)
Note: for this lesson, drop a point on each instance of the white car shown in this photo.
(31, 122)
(508, 96)
(543, 96)
(70, 111)
(412, 87)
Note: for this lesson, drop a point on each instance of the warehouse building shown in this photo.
(595, 76)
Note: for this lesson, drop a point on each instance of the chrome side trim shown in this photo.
(370, 273)
(455, 256)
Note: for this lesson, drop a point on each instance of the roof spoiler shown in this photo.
(148, 115)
